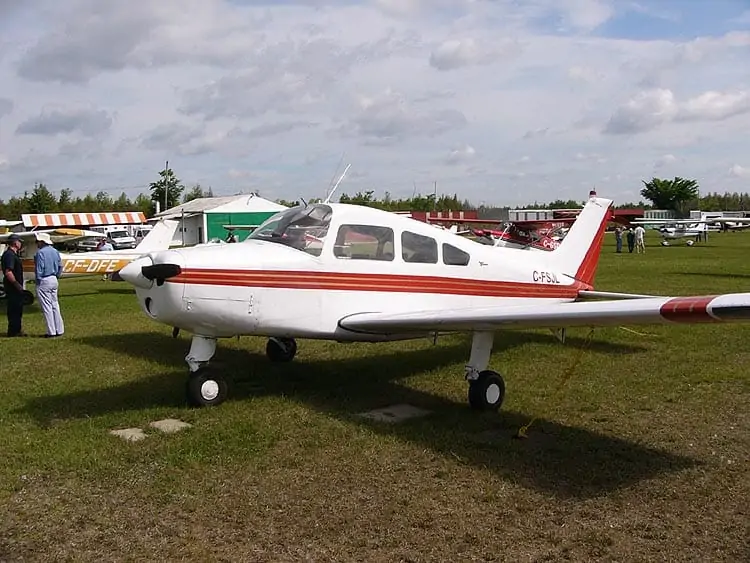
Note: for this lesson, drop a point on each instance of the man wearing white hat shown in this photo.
(47, 270)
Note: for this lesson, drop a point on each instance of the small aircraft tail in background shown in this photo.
(158, 238)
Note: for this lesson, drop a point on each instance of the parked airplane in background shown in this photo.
(94, 262)
(691, 229)
(378, 276)
(543, 234)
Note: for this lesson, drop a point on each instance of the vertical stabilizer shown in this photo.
(578, 253)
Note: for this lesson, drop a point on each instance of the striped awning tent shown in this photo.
(31, 220)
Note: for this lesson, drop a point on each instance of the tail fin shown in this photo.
(159, 238)
(578, 253)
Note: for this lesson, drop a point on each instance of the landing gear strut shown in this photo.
(281, 349)
(205, 387)
(486, 387)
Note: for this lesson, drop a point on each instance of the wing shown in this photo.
(62, 234)
(648, 310)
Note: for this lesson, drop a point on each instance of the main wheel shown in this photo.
(487, 391)
(281, 349)
(28, 297)
(205, 388)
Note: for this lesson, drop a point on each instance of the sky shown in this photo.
(503, 102)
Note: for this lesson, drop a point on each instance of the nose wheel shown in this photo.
(206, 388)
(281, 349)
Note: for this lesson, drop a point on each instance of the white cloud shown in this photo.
(461, 155)
(650, 109)
(664, 161)
(457, 53)
(244, 92)
(739, 171)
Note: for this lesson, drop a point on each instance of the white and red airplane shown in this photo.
(376, 276)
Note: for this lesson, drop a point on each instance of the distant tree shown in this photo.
(123, 203)
(42, 200)
(195, 192)
(65, 201)
(671, 194)
(168, 183)
(104, 202)
(144, 204)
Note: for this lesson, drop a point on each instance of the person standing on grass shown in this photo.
(47, 270)
(618, 238)
(631, 240)
(13, 284)
(640, 245)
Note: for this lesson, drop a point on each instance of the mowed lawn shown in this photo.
(640, 449)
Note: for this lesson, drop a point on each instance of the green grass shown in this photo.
(642, 454)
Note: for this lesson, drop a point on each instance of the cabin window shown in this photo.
(418, 248)
(364, 242)
(453, 256)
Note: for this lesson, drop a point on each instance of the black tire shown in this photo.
(206, 388)
(487, 392)
(281, 349)
(28, 298)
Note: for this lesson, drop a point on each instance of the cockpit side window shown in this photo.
(453, 256)
(303, 228)
(418, 248)
(364, 242)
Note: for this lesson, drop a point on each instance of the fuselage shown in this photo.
(354, 260)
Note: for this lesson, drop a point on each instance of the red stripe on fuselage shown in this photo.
(688, 309)
(396, 283)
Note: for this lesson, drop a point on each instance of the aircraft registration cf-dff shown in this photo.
(371, 275)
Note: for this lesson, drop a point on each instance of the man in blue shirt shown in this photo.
(47, 270)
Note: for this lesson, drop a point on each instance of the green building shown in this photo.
(206, 218)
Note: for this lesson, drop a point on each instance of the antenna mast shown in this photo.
(330, 194)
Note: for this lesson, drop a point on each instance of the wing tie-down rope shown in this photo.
(567, 375)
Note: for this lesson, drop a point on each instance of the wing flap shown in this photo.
(653, 310)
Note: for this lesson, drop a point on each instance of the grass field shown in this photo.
(643, 455)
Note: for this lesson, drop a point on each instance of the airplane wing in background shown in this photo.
(62, 234)
(646, 310)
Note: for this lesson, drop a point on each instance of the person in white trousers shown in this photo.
(47, 271)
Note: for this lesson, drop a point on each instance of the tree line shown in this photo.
(679, 194)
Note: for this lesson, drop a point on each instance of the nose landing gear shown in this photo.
(205, 387)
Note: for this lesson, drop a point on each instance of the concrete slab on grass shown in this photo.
(394, 413)
(169, 425)
(129, 434)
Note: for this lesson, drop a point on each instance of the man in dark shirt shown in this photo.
(13, 284)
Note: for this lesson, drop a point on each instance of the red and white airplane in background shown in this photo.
(543, 234)
(376, 276)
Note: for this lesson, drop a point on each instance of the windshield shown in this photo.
(118, 234)
(303, 228)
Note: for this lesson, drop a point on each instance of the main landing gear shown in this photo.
(486, 387)
(205, 386)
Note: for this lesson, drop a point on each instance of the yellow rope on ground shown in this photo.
(567, 375)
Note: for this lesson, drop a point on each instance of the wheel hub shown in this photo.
(209, 390)
(492, 394)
